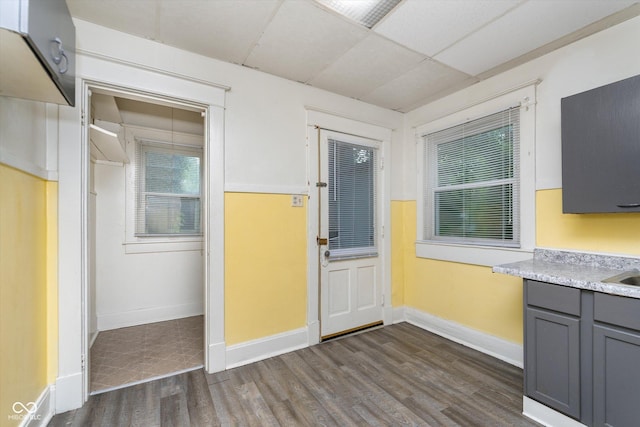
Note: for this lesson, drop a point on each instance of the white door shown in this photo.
(350, 279)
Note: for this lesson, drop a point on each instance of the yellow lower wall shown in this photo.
(470, 295)
(492, 303)
(23, 289)
(265, 266)
(617, 233)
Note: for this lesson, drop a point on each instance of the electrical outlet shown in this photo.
(296, 200)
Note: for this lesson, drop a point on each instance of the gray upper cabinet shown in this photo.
(601, 149)
(37, 47)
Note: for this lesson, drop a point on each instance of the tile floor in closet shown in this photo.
(135, 354)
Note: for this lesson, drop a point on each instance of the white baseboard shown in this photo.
(398, 315)
(217, 357)
(545, 415)
(93, 337)
(263, 348)
(488, 344)
(148, 315)
(313, 332)
(38, 413)
(69, 392)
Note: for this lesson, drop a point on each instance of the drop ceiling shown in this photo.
(422, 50)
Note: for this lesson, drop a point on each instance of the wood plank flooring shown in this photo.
(395, 375)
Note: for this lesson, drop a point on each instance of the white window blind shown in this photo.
(168, 189)
(472, 188)
(352, 200)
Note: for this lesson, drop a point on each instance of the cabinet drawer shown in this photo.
(616, 310)
(553, 297)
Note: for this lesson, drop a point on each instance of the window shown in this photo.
(168, 189)
(352, 199)
(472, 182)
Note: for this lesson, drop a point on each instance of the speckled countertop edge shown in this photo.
(576, 270)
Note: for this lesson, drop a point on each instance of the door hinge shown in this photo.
(381, 163)
(382, 300)
(82, 361)
(321, 184)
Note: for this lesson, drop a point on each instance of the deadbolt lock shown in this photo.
(322, 241)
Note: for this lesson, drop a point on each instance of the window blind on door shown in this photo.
(352, 199)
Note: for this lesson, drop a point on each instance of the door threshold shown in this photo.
(352, 331)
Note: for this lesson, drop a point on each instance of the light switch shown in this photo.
(296, 200)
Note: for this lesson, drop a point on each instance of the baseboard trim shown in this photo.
(148, 315)
(488, 344)
(38, 413)
(68, 393)
(545, 415)
(398, 315)
(313, 333)
(92, 338)
(263, 348)
(217, 357)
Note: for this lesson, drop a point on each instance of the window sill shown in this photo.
(477, 255)
(153, 246)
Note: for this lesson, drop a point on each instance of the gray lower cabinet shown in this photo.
(616, 361)
(582, 353)
(552, 347)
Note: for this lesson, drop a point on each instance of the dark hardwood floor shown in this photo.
(395, 375)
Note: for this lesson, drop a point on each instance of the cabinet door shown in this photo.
(616, 377)
(600, 132)
(552, 369)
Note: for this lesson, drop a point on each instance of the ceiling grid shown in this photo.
(420, 51)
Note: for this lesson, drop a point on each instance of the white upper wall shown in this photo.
(265, 116)
(29, 136)
(602, 58)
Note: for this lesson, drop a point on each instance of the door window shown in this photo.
(352, 200)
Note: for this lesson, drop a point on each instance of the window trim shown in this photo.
(482, 254)
(153, 244)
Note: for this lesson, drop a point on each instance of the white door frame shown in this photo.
(317, 120)
(71, 383)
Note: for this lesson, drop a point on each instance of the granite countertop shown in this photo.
(576, 270)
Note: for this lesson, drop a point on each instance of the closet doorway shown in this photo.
(145, 312)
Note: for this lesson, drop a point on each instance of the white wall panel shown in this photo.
(28, 136)
(265, 117)
(137, 288)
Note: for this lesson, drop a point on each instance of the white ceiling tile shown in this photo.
(430, 26)
(133, 17)
(303, 39)
(370, 63)
(421, 83)
(223, 29)
(527, 27)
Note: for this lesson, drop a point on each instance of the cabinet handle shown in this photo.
(629, 205)
(58, 54)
